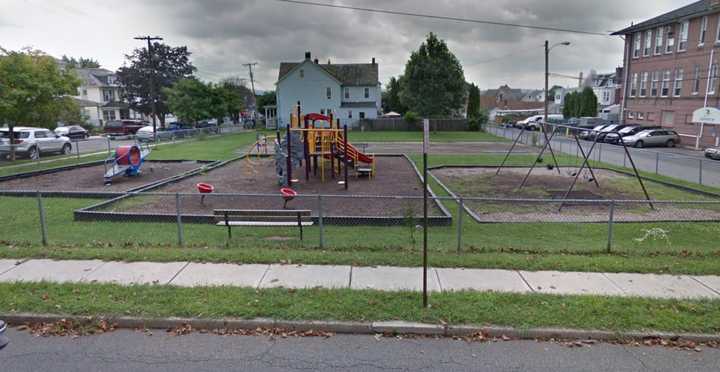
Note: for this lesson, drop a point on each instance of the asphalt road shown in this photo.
(134, 351)
(681, 163)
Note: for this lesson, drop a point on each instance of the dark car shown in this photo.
(75, 132)
(611, 130)
(591, 133)
(629, 130)
(124, 127)
(208, 126)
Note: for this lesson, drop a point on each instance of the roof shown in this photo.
(94, 76)
(358, 105)
(353, 74)
(696, 8)
(85, 102)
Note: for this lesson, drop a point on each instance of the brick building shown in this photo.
(671, 66)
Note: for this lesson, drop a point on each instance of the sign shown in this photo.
(426, 135)
(708, 115)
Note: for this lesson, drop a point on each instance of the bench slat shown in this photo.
(264, 223)
(262, 212)
(263, 218)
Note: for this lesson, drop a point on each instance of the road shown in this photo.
(134, 351)
(88, 146)
(680, 163)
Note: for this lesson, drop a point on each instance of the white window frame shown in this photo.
(302, 74)
(350, 114)
(346, 93)
(634, 85)
(669, 39)
(648, 43)
(684, 28)
(631, 115)
(367, 92)
(328, 92)
(696, 81)
(717, 32)
(655, 84)
(641, 116)
(665, 86)
(643, 84)
(677, 88)
(659, 40)
(637, 44)
(713, 76)
(703, 31)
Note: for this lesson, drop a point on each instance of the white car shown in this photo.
(146, 134)
(32, 142)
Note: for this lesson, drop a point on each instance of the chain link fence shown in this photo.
(363, 223)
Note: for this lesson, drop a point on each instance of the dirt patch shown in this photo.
(444, 148)
(91, 179)
(394, 177)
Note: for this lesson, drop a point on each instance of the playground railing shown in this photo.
(387, 227)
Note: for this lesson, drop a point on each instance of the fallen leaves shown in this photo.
(66, 327)
(185, 329)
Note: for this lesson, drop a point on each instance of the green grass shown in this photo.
(30, 166)
(206, 148)
(407, 136)
(503, 309)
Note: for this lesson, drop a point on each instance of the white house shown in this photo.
(349, 91)
(100, 97)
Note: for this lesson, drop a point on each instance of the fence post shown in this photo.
(611, 218)
(180, 232)
(320, 222)
(77, 149)
(41, 213)
(461, 211)
(624, 159)
(657, 162)
(700, 171)
(109, 146)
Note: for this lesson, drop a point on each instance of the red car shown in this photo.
(123, 127)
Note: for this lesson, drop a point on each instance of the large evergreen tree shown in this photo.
(391, 96)
(434, 83)
(165, 67)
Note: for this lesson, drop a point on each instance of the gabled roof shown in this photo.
(694, 9)
(94, 76)
(353, 74)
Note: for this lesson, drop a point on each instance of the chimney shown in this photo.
(373, 60)
(316, 61)
(308, 55)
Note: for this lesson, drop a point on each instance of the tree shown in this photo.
(167, 66)
(391, 96)
(34, 91)
(192, 100)
(473, 110)
(579, 104)
(266, 99)
(235, 96)
(80, 62)
(434, 83)
(589, 102)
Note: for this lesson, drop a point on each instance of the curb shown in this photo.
(365, 328)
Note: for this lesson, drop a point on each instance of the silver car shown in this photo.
(712, 153)
(32, 142)
(653, 137)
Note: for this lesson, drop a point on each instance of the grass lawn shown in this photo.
(29, 166)
(407, 136)
(503, 309)
(206, 148)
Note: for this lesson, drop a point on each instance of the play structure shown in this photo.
(585, 169)
(317, 143)
(127, 161)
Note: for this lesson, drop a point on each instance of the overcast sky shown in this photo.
(224, 34)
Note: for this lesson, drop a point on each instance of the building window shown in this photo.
(670, 44)
(634, 85)
(328, 92)
(636, 48)
(713, 79)
(302, 73)
(717, 32)
(641, 116)
(349, 114)
(362, 115)
(665, 90)
(347, 93)
(655, 83)
(606, 96)
(367, 92)
(703, 30)
(696, 80)
(631, 115)
(683, 36)
(84, 92)
(678, 82)
(648, 43)
(109, 115)
(322, 111)
(108, 95)
(643, 84)
(659, 38)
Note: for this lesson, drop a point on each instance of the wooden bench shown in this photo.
(262, 218)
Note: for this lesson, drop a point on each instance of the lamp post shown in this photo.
(547, 74)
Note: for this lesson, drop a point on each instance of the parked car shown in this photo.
(629, 130)
(653, 137)
(32, 142)
(611, 130)
(3, 339)
(72, 132)
(591, 133)
(123, 127)
(146, 134)
(208, 126)
(526, 123)
(712, 153)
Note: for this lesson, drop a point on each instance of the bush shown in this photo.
(474, 124)
(412, 119)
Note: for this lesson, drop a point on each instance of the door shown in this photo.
(43, 141)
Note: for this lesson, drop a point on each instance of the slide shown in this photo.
(353, 152)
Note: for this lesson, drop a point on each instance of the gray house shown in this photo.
(349, 91)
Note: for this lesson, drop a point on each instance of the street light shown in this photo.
(547, 71)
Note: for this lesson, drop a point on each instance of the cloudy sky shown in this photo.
(224, 34)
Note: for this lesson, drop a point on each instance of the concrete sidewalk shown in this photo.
(187, 274)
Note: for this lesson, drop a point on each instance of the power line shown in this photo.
(445, 18)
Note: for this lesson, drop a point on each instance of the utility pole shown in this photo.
(252, 85)
(153, 97)
(547, 78)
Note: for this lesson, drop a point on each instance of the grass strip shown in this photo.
(502, 309)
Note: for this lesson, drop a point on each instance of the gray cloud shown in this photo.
(224, 34)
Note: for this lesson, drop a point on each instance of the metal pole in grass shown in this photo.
(41, 213)
(611, 217)
(461, 211)
(700, 170)
(657, 162)
(109, 146)
(426, 144)
(320, 222)
(77, 149)
(180, 232)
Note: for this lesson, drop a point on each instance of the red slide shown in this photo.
(353, 152)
